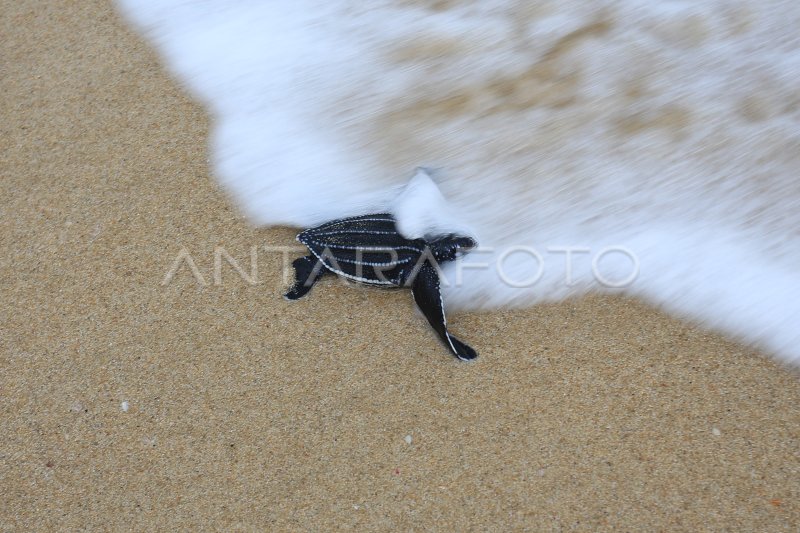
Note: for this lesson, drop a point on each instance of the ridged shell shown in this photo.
(366, 248)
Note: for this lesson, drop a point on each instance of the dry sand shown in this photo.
(246, 412)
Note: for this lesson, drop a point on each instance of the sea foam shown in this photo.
(649, 148)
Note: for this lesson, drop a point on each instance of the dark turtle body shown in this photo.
(369, 249)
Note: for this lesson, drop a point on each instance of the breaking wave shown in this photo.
(656, 143)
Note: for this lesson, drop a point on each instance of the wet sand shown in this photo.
(130, 404)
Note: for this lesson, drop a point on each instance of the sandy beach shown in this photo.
(211, 403)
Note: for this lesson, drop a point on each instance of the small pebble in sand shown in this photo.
(124, 406)
(408, 439)
(716, 432)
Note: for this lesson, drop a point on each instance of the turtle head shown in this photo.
(450, 247)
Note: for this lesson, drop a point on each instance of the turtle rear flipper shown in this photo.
(307, 271)
(428, 297)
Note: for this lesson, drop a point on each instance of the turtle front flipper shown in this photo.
(307, 271)
(429, 299)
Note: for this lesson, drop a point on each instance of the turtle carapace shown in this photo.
(369, 249)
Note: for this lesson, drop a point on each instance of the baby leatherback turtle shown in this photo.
(369, 249)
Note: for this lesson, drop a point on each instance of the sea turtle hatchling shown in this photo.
(369, 249)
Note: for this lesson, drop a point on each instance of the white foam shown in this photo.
(421, 210)
(669, 128)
